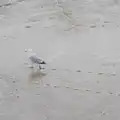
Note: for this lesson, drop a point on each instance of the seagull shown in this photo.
(34, 59)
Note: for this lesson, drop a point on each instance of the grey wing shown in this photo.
(35, 59)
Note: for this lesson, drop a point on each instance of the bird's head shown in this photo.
(43, 62)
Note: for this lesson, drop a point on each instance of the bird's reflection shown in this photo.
(35, 77)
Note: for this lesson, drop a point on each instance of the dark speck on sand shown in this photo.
(78, 71)
(28, 26)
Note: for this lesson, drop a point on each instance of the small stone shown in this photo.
(103, 113)
(75, 88)
(93, 26)
(90, 72)
(47, 84)
(56, 86)
(98, 92)
(28, 26)
(53, 69)
(110, 93)
(106, 21)
(14, 81)
(67, 87)
(87, 90)
(78, 71)
(100, 73)
(18, 96)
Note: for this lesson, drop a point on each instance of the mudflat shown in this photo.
(79, 40)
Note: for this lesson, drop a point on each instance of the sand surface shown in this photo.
(79, 40)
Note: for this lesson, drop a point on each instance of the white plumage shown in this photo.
(34, 59)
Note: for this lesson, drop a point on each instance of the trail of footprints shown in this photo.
(90, 72)
(88, 90)
(101, 113)
(83, 90)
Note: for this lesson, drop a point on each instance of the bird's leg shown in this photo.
(40, 67)
(30, 64)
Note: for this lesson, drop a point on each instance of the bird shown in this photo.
(34, 59)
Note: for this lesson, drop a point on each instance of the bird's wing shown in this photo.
(35, 59)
